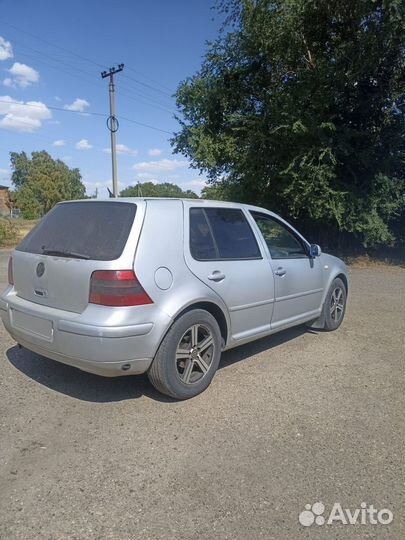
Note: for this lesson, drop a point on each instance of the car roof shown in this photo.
(169, 200)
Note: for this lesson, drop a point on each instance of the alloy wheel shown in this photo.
(194, 353)
(337, 304)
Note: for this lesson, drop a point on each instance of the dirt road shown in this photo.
(298, 418)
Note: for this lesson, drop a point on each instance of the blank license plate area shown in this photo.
(33, 325)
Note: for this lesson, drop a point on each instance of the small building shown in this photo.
(4, 201)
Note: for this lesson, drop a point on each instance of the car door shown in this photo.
(297, 276)
(222, 251)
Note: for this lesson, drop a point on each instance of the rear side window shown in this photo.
(221, 233)
(94, 230)
(202, 244)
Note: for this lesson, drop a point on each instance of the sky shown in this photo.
(51, 55)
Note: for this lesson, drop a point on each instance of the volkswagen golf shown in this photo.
(163, 286)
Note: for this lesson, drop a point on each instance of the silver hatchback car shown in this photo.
(126, 286)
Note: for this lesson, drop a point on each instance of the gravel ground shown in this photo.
(293, 419)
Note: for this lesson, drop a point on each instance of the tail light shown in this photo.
(10, 271)
(117, 288)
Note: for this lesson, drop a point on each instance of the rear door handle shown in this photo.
(216, 276)
(280, 271)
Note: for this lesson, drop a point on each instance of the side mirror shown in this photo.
(314, 251)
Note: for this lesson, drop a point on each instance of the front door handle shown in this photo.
(216, 276)
(280, 271)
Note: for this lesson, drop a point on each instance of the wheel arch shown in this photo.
(343, 277)
(215, 311)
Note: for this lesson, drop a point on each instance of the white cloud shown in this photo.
(20, 116)
(154, 152)
(66, 158)
(79, 105)
(59, 142)
(83, 144)
(4, 172)
(57, 98)
(122, 149)
(21, 76)
(163, 165)
(6, 50)
(196, 184)
(146, 176)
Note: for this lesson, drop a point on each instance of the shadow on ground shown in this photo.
(88, 387)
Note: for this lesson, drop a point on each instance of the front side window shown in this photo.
(221, 234)
(282, 243)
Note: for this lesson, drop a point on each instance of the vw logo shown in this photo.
(40, 269)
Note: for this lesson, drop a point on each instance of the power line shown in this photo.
(145, 125)
(82, 57)
(148, 86)
(54, 45)
(58, 60)
(151, 80)
(91, 113)
(57, 68)
(137, 99)
(151, 102)
(159, 100)
(86, 59)
(141, 99)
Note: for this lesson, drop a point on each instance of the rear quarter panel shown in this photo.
(160, 261)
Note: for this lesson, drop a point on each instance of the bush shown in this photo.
(8, 232)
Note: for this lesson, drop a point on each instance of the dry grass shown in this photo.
(24, 226)
(370, 262)
(18, 228)
(363, 258)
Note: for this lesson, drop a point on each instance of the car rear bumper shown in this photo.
(105, 369)
(104, 350)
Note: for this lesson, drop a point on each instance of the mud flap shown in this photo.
(319, 322)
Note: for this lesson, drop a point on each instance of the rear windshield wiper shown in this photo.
(61, 253)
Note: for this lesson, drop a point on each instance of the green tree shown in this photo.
(149, 189)
(40, 182)
(20, 165)
(297, 107)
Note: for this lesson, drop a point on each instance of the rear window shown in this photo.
(221, 234)
(95, 230)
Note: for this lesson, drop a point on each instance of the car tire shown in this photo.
(188, 356)
(335, 305)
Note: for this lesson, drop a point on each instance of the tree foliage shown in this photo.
(149, 189)
(297, 107)
(40, 182)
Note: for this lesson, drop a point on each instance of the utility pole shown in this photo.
(112, 123)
